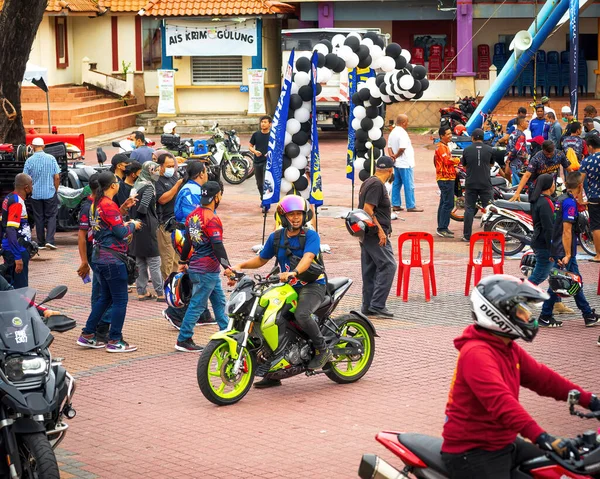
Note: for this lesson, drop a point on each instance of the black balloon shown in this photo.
(364, 94)
(362, 135)
(363, 52)
(366, 62)
(360, 152)
(424, 84)
(400, 62)
(341, 65)
(306, 126)
(292, 150)
(371, 36)
(319, 89)
(320, 60)
(295, 101)
(286, 163)
(360, 145)
(393, 50)
(328, 44)
(379, 42)
(369, 164)
(372, 111)
(419, 72)
(331, 60)
(375, 101)
(303, 64)
(379, 79)
(356, 100)
(353, 43)
(383, 88)
(416, 87)
(418, 96)
(409, 67)
(364, 175)
(301, 183)
(306, 92)
(376, 152)
(300, 138)
(366, 123)
(380, 143)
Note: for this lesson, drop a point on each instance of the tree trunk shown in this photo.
(19, 23)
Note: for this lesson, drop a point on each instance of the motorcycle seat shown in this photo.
(84, 173)
(426, 448)
(507, 195)
(498, 181)
(513, 205)
(336, 283)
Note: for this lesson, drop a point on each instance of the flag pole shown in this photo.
(264, 225)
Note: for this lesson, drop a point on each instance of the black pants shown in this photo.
(309, 299)
(478, 464)
(378, 267)
(472, 195)
(44, 214)
(259, 175)
(18, 280)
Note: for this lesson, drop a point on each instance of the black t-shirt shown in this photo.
(123, 193)
(478, 158)
(260, 142)
(166, 211)
(542, 212)
(373, 192)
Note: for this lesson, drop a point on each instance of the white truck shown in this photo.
(332, 103)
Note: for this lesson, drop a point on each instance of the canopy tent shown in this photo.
(39, 77)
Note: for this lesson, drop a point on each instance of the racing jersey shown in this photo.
(204, 232)
(109, 231)
(14, 224)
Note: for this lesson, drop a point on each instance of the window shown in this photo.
(62, 44)
(211, 70)
(152, 44)
(588, 45)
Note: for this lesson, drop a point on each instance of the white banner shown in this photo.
(166, 91)
(256, 91)
(210, 40)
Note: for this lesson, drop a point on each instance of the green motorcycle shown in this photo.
(262, 339)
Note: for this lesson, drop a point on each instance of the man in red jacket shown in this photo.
(483, 413)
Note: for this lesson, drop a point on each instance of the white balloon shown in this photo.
(386, 98)
(305, 150)
(361, 85)
(359, 164)
(406, 54)
(371, 82)
(292, 126)
(305, 193)
(295, 88)
(398, 97)
(359, 112)
(368, 145)
(301, 79)
(291, 174)
(387, 64)
(302, 115)
(288, 139)
(354, 34)
(356, 123)
(376, 63)
(374, 134)
(387, 78)
(388, 89)
(352, 61)
(338, 40)
(344, 52)
(378, 122)
(367, 42)
(285, 185)
(367, 103)
(407, 82)
(307, 105)
(375, 92)
(376, 52)
(324, 75)
(408, 94)
(299, 162)
(320, 48)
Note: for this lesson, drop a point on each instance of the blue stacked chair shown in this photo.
(499, 59)
(553, 71)
(564, 72)
(540, 76)
(582, 72)
(526, 79)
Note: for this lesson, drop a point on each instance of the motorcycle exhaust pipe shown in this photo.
(373, 467)
(522, 238)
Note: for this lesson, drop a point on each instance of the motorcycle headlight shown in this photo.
(17, 368)
(235, 302)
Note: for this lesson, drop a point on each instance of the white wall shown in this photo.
(92, 40)
(126, 29)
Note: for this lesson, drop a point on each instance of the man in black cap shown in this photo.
(377, 260)
(477, 159)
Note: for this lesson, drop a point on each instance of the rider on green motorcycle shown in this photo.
(297, 250)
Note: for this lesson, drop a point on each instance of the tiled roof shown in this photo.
(123, 5)
(71, 5)
(180, 8)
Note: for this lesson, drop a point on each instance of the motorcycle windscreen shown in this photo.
(21, 328)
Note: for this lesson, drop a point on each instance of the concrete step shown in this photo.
(107, 114)
(199, 124)
(57, 94)
(65, 113)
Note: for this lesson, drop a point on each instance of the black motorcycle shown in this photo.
(35, 390)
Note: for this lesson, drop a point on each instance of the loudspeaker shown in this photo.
(521, 42)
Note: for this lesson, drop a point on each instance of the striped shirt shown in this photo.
(42, 167)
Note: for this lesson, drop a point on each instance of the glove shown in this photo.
(594, 404)
(563, 447)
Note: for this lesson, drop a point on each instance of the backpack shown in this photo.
(315, 270)
(572, 157)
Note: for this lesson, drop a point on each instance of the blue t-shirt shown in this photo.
(591, 167)
(312, 245)
(537, 127)
(511, 125)
(565, 211)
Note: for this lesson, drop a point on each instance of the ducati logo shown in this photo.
(501, 322)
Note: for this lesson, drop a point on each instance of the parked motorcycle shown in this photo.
(36, 390)
(422, 457)
(262, 339)
(459, 113)
(226, 149)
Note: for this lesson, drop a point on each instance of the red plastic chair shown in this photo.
(418, 56)
(416, 261)
(449, 52)
(435, 50)
(483, 50)
(435, 64)
(487, 257)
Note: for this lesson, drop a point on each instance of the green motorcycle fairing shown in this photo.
(276, 301)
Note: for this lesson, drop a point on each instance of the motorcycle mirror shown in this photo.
(573, 397)
(116, 144)
(58, 292)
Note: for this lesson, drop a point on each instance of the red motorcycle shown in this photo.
(459, 113)
(422, 458)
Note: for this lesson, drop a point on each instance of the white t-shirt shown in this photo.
(547, 109)
(397, 140)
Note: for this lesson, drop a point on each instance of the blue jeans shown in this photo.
(19, 280)
(446, 204)
(113, 289)
(543, 265)
(516, 179)
(580, 300)
(96, 288)
(403, 177)
(205, 286)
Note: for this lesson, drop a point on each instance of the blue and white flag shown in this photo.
(272, 183)
(316, 183)
(574, 53)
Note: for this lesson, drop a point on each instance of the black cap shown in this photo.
(120, 158)
(209, 191)
(384, 162)
(477, 134)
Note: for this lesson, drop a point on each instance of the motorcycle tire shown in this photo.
(348, 369)
(586, 241)
(512, 246)
(458, 213)
(249, 157)
(209, 374)
(37, 457)
(234, 177)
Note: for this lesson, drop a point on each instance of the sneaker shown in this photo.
(50, 246)
(120, 346)
(397, 208)
(320, 359)
(188, 346)
(90, 341)
(41, 247)
(415, 210)
(465, 239)
(444, 234)
(383, 312)
(598, 343)
(591, 319)
(549, 322)
(265, 383)
(562, 308)
(205, 319)
(176, 323)
(449, 232)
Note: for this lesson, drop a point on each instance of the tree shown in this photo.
(19, 23)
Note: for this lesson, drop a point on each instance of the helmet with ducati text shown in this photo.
(502, 304)
(527, 263)
(359, 223)
(564, 283)
(178, 290)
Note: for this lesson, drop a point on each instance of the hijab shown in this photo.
(543, 183)
(146, 177)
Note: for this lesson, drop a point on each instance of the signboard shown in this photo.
(166, 92)
(256, 92)
(210, 40)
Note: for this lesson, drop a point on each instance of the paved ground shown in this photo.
(143, 416)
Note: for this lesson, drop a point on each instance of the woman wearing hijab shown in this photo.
(542, 211)
(145, 241)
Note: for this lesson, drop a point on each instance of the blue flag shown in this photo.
(574, 53)
(272, 183)
(316, 184)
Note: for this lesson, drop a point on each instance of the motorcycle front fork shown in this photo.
(10, 444)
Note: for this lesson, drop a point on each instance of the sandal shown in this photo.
(147, 297)
(161, 299)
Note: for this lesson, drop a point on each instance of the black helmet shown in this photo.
(359, 223)
(527, 263)
(564, 283)
(502, 304)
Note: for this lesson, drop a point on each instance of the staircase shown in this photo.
(78, 109)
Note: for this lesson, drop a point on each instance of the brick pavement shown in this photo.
(143, 416)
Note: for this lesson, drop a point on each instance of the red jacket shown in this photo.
(483, 409)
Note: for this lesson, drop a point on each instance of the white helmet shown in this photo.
(502, 304)
(169, 127)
